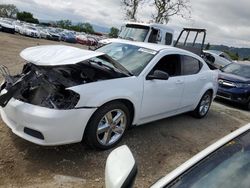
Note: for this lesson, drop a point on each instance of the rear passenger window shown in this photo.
(190, 65)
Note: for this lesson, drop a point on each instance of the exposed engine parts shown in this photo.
(47, 86)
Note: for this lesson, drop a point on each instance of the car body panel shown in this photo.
(229, 90)
(55, 125)
(98, 93)
(49, 55)
(216, 61)
(198, 157)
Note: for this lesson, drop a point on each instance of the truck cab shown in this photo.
(143, 32)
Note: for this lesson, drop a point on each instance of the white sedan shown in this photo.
(66, 94)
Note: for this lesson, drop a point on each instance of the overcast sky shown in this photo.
(226, 21)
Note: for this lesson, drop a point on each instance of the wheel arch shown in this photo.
(128, 103)
(208, 88)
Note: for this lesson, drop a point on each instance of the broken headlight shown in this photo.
(66, 99)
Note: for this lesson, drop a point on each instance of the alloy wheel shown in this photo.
(205, 104)
(111, 127)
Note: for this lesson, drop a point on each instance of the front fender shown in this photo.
(96, 94)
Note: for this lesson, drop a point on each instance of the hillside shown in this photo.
(243, 52)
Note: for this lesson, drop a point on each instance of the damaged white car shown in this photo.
(66, 94)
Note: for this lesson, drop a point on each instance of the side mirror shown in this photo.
(121, 169)
(158, 75)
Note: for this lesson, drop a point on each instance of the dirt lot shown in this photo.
(158, 147)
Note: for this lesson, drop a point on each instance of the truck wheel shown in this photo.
(107, 126)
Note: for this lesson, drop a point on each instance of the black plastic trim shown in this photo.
(33, 133)
(131, 178)
(86, 107)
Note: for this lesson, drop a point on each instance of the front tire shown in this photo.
(204, 105)
(107, 126)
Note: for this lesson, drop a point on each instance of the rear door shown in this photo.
(194, 80)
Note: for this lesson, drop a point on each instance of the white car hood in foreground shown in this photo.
(50, 55)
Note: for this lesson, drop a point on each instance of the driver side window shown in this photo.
(170, 64)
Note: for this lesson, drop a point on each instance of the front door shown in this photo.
(163, 96)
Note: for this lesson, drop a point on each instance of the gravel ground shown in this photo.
(158, 147)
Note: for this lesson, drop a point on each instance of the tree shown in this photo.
(87, 28)
(65, 24)
(207, 46)
(27, 17)
(167, 8)
(237, 56)
(114, 32)
(233, 56)
(131, 7)
(8, 11)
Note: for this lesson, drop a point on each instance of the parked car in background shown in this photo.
(216, 59)
(82, 38)
(103, 92)
(92, 41)
(31, 31)
(224, 164)
(68, 37)
(6, 26)
(53, 35)
(43, 32)
(234, 83)
(18, 26)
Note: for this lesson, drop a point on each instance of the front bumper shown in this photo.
(58, 127)
(238, 95)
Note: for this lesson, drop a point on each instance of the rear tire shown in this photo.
(203, 107)
(107, 126)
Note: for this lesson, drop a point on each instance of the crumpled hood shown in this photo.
(52, 55)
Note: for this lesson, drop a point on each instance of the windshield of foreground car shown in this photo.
(109, 63)
(133, 58)
(229, 166)
(237, 69)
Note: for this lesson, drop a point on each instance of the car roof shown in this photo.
(156, 47)
(151, 46)
(200, 156)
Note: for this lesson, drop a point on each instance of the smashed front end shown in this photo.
(38, 106)
(47, 86)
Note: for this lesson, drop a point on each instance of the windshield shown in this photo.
(238, 69)
(229, 166)
(133, 58)
(134, 32)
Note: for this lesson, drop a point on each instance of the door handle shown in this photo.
(203, 78)
(179, 82)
